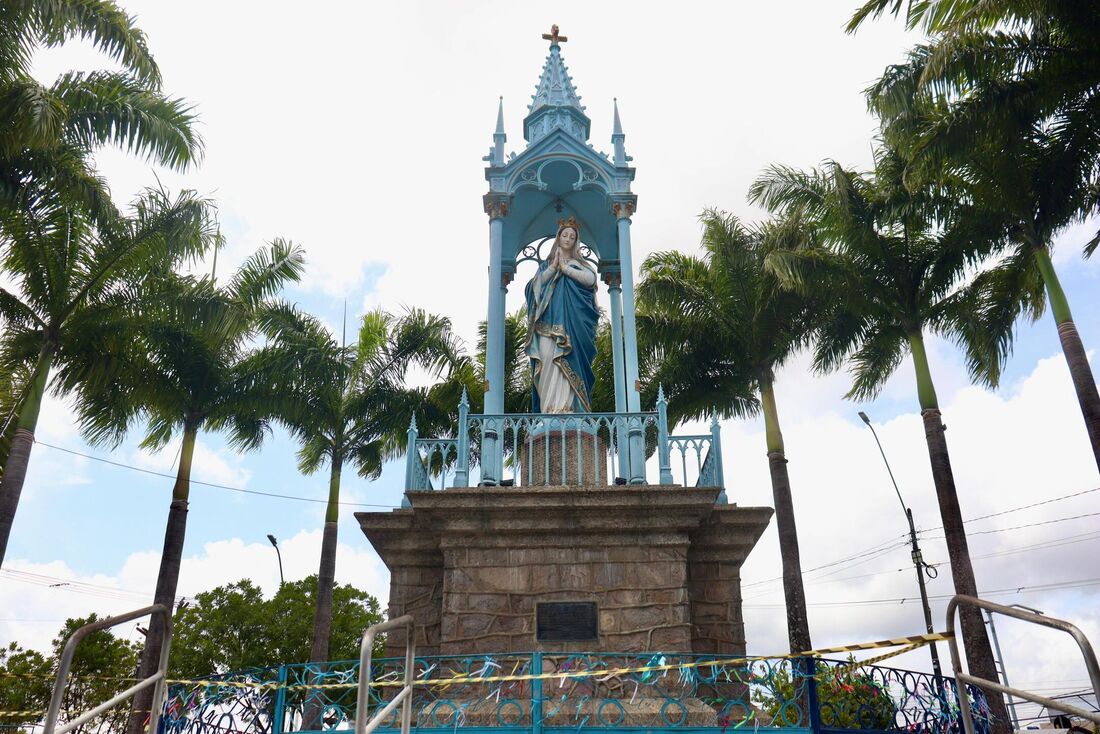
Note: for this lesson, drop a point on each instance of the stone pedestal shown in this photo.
(662, 564)
(569, 457)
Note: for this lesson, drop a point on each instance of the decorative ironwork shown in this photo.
(573, 448)
(214, 709)
(761, 694)
(533, 252)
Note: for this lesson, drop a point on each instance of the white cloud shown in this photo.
(34, 611)
(217, 466)
(1011, 449)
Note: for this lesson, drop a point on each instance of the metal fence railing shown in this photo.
(564, 449)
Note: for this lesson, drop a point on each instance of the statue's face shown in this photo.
(568, 239)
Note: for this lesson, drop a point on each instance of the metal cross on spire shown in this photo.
(553, 36)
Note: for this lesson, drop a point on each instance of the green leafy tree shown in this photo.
(347, 405)
(47, 131)
(72, 277)
(1007, 95)
(181, 366)
(889, 267)
(102, 667)
(718, 328)
(27, 681)
(848, 698)
(234, 627)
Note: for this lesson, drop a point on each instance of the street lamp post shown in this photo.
(918, 559)
(278, 555)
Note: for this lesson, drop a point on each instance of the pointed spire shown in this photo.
(618, 139)
(555, 104)
(555, 87)
(496, 153)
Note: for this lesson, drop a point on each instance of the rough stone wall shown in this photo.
(661, 563)
(714, 588)
(490, 596)
(416, 590)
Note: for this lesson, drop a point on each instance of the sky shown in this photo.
(357, 130)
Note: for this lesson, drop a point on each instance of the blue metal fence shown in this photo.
(593, 449)
(582, 691)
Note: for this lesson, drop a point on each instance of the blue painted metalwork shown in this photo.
(819, 696)
(584, 439)
(663, 459)
(558, 175)
(592, 445)
(462, 468)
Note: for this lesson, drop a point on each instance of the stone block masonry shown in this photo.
(662, 564)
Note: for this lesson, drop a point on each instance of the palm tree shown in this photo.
(347, 405)
(1006, 95)
(182, 367)
(71, 278)
(889, 266)
(46, 132)
(718, 328)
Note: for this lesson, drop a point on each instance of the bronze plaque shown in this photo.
(566, 621)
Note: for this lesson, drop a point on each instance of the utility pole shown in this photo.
(918, 559)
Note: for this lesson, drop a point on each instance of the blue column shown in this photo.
(636, 441)
(630, 335)
(615, 294)
(491, 455)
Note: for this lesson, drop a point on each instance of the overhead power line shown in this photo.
(1021, 527)
(1042, 545)
(1072, 584)
(76, 586)
(875, 548)
(1023, 507)
(207, 484)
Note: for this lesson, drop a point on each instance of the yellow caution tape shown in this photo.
(911, 642)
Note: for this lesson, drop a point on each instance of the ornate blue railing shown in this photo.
(592, 449)
(580, 691)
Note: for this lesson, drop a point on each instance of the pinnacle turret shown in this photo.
(618, 139)
(496, 153)
(555, 103)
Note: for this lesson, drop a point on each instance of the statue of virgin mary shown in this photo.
(561, 326)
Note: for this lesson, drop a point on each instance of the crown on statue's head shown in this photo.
(571, 222)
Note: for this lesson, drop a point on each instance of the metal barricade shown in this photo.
(1058, 624)
(362, 702)
(157, 679)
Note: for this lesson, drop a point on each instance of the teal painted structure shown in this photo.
(558, 175)
(780, 696)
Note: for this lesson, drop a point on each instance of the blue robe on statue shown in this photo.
(564, 311)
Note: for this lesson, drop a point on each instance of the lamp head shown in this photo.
(864, 417)
(272, 539)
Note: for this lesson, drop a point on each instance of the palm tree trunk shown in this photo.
(798, 628)
(979, 654)
(1083, 381)
(19, 455)
(167, 579)
(326, 578)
